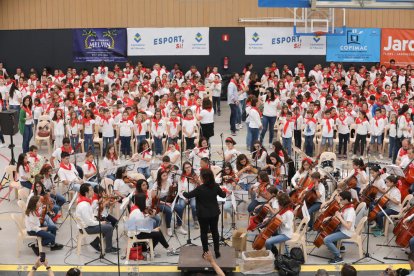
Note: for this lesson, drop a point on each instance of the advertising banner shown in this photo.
(358, 45)
(168, 41)
(397, 44)
(282, 41)
(95, 45)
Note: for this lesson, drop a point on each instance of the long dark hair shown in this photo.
(42, 192)
(141, 146)
(119, 172)
(20, 161)
(30, 101)
(240, 157)
(272, 94)
(140, 201)
(207, 177)
(139, 185)
(31, 206)
(12, 89)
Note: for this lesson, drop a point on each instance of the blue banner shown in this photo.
(357, 45)
(95, 45)
(290, 3)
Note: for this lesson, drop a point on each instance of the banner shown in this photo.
(282, 41)
(290, 3)
(168, 41)
(95, 45)
(358, 45)
(397, 44)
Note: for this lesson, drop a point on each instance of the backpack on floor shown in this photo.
(296, 253)
(286, 266)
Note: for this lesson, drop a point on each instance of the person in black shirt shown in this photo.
(208, 210)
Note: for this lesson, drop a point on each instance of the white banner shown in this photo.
(282, 41)
(168, 41)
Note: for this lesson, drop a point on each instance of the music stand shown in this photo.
(394, 169)
(71, 240)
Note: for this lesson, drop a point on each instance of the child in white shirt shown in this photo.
(125, 130)
(287, 132)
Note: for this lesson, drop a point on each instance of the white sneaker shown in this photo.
(241, 126)
(381, 157)
(169, 232)
(181, 230)
(196, 225)
(2, 145)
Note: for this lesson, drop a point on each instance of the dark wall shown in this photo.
(53, 48)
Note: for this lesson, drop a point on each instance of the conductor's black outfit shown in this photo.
(208, 212)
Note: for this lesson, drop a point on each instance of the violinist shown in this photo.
(230, 183)
(46, 172)
(319, 189)
(273, 167)
(244, 167)
(121, 188)
(302, 172)
(101, 203)
(187, 182)
(230, 153)
(47, 210)
(259, 154)
(260, 190)
(347, 218)
(359, 173)
(144, 158)
(110, 160)
(199, 152)
(89, 168)
(173, 153)
(286, 215)
(161, 191)
(34, 228)
(150, 208)
(392, 207)
(155, 235)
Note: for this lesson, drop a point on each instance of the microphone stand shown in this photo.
(188, 243)
(367, 255)
(101, 254)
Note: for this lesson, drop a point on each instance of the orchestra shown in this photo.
(156, 147)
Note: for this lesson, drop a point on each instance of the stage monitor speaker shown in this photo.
(9, 122)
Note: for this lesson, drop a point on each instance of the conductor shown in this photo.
(208, 210)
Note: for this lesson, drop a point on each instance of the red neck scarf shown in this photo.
(26, 167)
(174, 121)
(156, 122)
(70, 150)
(63, 166)
(74, 122)
(342, 119)
(139, 124)
(328, 124)
(84, 198)
(311, 120)
(106, 119)
(402, 152)
(90, 165)
(33, 155)
(286, 126)
(376, 120)
(28, 110)
(285, 210)
(349, 205)
(359, 121)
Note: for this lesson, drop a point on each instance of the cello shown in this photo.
(330, 210)
(379, 205)
(270, 229)
(303, 184)
(399, 224)
(328, 227)
(407, 180)
(368, 195)
(406, 233)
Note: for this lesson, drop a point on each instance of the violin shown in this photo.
(46, 208)
(172, 193)
(129, 180)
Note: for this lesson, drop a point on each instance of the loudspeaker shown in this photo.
(9, 122)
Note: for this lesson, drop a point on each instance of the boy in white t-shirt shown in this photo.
(327, 131)
(107, 124)
(125, 130)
